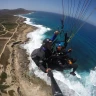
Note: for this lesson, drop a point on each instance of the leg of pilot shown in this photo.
(35, 59)
(74, 66)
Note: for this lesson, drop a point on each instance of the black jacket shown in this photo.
(40, 57)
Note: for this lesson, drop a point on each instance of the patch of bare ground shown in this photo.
(35, 86)
(9, 34)
(2, 43)
(14, 66)
(4, 57)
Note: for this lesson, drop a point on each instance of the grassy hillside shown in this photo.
(8, 20)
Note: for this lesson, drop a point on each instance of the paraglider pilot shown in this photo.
(61, 57)
(40, 56)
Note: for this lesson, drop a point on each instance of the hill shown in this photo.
(14, 11)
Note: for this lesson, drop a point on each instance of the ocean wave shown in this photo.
(93, 76)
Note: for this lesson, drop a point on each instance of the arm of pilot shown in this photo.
(46, 70)
(69, 50)
(66, 52)
(54, 36)
(41, 66)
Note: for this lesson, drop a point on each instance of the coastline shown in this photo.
(42, 88)
(35, 41)
(17, 69)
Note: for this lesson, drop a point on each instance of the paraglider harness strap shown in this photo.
(47, 65)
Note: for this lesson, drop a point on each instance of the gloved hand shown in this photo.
(56, 32)
(48, 69)
(70, 50)
(50, 74)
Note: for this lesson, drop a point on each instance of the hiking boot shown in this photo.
(72, 73)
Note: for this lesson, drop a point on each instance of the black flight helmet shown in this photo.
(47, 43)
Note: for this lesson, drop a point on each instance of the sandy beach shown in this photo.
(14, 64)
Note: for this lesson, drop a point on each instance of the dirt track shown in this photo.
(14, 63)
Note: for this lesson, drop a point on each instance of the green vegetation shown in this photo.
(7, 18)
(9, 25)
(3, 87)
(11, 92)
(3, 77)
(8, 21)
(1, 28)
(2, 32)
(15, 11)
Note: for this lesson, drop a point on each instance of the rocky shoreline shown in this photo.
(18, 82)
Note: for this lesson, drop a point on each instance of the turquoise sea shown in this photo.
(83, 47)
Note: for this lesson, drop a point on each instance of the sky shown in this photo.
(47, 5)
